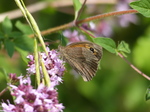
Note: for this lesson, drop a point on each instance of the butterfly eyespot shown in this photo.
(91, 49)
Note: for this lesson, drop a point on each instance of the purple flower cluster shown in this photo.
(42, 99)
(125, 20)
(73, 36)
(53, 64)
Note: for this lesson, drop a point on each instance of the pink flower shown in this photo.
(42, 99)
(53, 65)
(73, 36)
(28, 99)
(126, 19)
(100, 29)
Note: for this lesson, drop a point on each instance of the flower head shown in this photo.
(28, 99)
(125, 20)
(53, 64)
(73, 36)
(43, 98)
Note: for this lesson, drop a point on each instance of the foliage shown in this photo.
(15, 39)
(142, 6)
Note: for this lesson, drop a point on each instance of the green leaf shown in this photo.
(106, 43)
(24, 43)
(15, 34)
(142, 6)
(7, 25)
(9, 45)
(123, 47)
(77, 7)
(23, 28)
(147, 97)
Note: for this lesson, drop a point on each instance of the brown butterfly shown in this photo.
(83, 57)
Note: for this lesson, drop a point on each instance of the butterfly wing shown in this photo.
(84, 64)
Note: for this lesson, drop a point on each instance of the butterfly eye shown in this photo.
(91, 49)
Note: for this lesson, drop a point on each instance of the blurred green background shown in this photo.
(116, 87)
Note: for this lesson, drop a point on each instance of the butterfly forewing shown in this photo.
(83, 57)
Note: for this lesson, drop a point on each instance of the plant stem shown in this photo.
(52, 30)
(71, 24)
(3, 91)
(79, 13)
(132, 66)
(106, 15)
(80, 27)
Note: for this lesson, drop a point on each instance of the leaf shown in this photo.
(15, 34)
(77, 7)
(9, 45)
(147, 97)
(142, 6)
(23, 28)
(106, 43)
(24, 43)
(123, 47)
(7, 25)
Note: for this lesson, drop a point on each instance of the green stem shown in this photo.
(37, 66)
